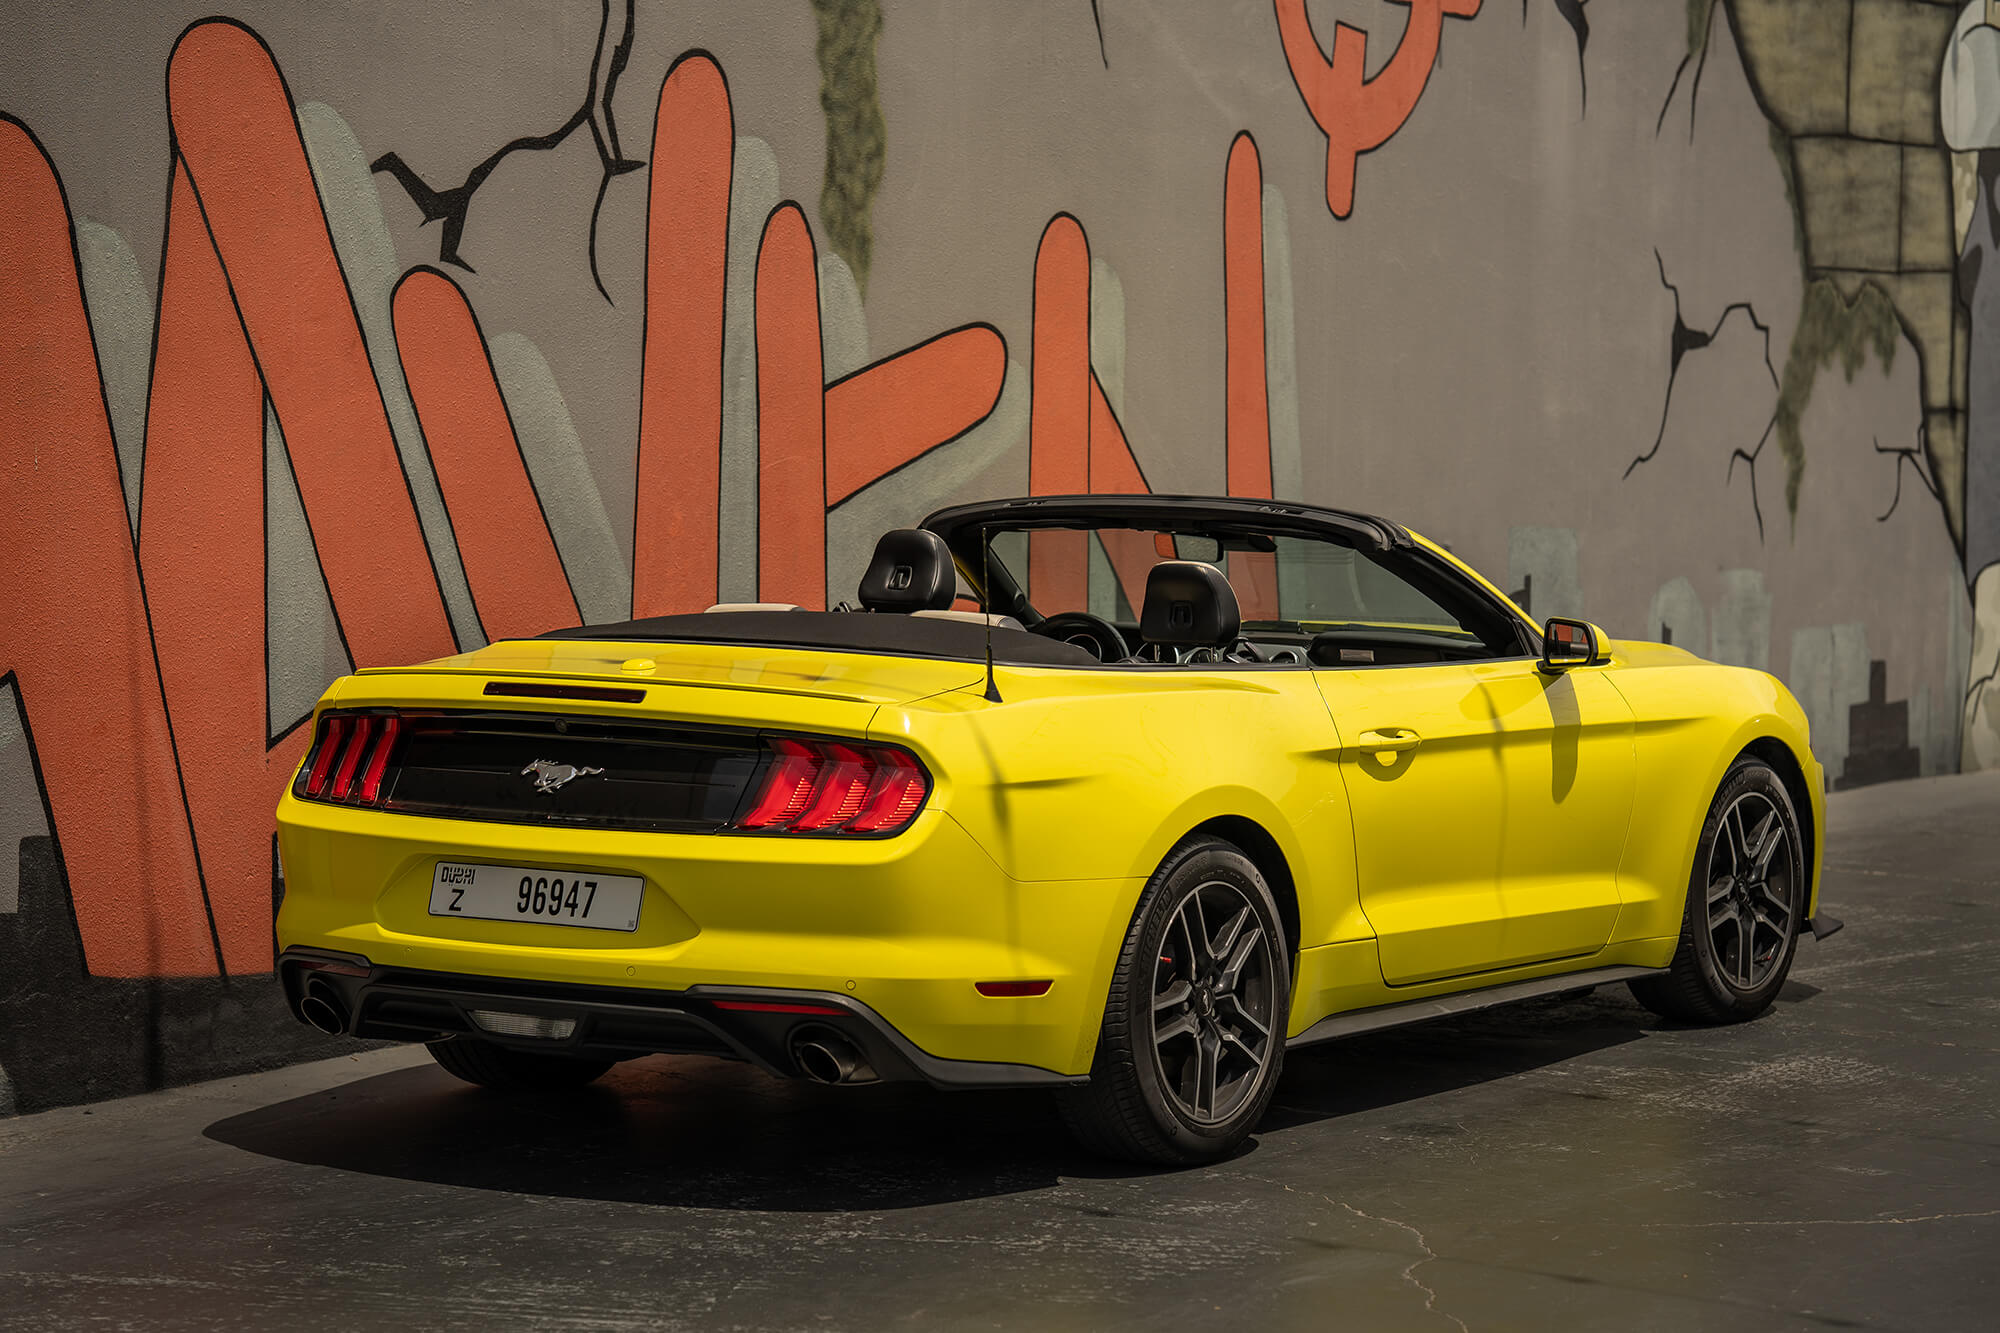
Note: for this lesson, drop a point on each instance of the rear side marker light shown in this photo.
(836, 787)
(771, 1007)
(1008, 990)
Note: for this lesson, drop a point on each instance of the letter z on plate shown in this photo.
(523, 893)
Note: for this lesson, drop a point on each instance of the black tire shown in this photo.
(491, 1065)
(1144, 1101)
(1746, 902)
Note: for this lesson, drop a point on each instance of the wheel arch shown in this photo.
(1256, 842)
(1773, 751)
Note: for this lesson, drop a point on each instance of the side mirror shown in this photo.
(1570, 643)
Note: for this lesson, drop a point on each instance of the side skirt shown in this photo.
(1356, 1021)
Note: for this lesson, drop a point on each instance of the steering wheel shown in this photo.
(1242, 651)
(1094, 634)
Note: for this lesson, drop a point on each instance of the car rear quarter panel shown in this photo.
(1098, 774)
(1693, 719)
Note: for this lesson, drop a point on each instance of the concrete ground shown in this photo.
(1572, 1164)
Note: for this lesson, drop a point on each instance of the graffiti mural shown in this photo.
(349, 346)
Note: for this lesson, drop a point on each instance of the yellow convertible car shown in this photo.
(1120, 795)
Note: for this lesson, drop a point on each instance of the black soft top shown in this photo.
(843, 632)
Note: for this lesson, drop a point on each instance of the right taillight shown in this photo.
(836, 787)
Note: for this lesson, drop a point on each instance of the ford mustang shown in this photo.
(1125, 796)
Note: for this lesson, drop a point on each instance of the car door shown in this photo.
(1490, 804)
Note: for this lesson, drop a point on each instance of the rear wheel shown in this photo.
(1194, 1029)
(494, 1066)
(1746, 901)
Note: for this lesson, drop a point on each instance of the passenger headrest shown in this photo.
(911, 571)
(1189, 605)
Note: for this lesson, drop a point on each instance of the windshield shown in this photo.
(1281, 581)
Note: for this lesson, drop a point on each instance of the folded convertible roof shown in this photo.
(845, 632)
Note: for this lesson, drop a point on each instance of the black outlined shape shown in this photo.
(451, 204)
(1685, 340)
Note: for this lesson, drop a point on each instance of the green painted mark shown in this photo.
(1698, 14)
(1788, 171)
(1830, 326)
(856, 138)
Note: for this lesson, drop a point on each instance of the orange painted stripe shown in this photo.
(232, 117)
(791, 441)
(1059, 417)
(74, 632)
(511, 563)
(1249, 413)
(680, 391)
(880, 418)
(1113, 471)
(201, 545)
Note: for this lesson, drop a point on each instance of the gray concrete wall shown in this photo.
(1628, 308)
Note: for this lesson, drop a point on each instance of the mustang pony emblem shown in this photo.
(549, 774)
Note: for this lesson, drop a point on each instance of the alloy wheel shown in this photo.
(1751, 893)
(1213, 1003)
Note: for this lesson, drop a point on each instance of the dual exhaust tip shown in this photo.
(322, 1007)
(825, 1056)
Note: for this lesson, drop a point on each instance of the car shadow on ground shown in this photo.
(691, 1132)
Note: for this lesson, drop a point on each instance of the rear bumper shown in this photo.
(897, 930)
(622, 1023)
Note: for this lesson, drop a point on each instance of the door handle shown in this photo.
(1397, 739)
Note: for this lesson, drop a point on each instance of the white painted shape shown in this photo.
(1969, 82)
(1941, 742)
(843, 324)
(753, 193)
(1549, 557)
(21, 813)
(1979, 746)
(1850, 687)
(1281, 352)
(1740, 634)
(303, 653)
(1678, 608)
(121, 325)
(599, 575)
(353, 209)
(1107, 332)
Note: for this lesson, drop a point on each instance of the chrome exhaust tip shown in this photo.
(321, 1006)
(824, 1056)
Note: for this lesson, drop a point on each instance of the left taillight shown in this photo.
(835, 787)
(350, 758)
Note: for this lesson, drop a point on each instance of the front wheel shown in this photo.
(1746, 902)
(491, 1065)
(1194, 1029)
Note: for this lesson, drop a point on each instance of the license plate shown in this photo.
(550, 897)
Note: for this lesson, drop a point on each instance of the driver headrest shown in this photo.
(911, 571)
(1189, 604)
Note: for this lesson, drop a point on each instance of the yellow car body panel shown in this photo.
(1050, 810)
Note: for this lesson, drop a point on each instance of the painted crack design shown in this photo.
(1572, 14)
(1687, 339)
(451, 205)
